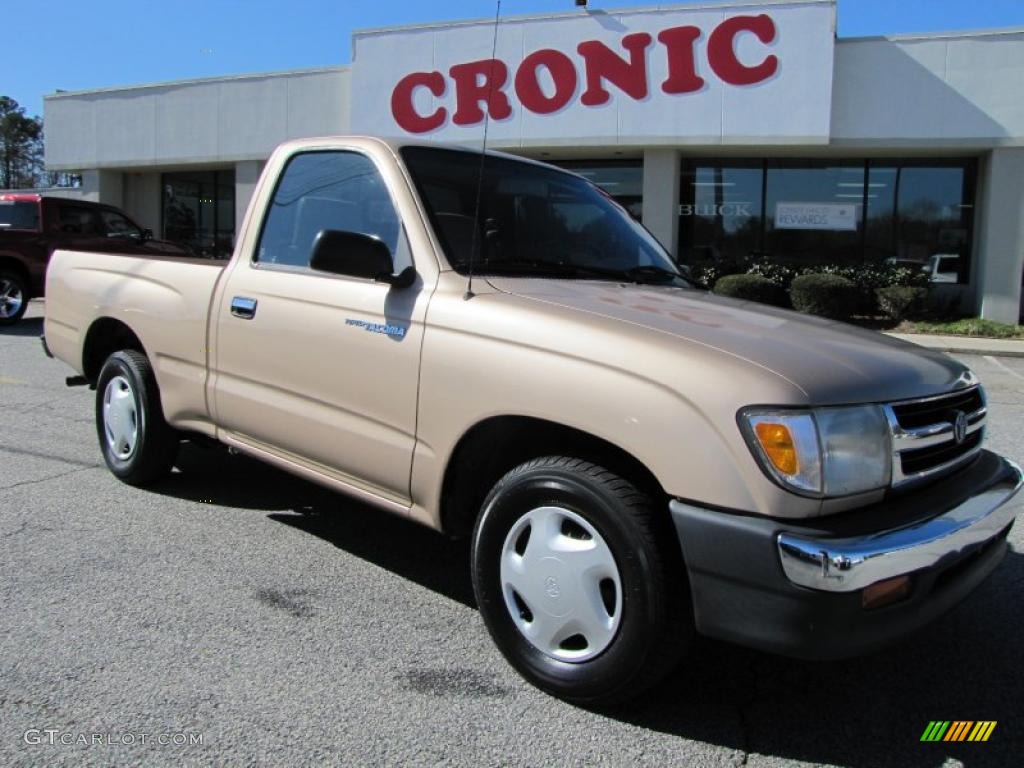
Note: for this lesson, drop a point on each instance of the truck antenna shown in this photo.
(483, 155)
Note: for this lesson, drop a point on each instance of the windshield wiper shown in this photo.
(650, 274)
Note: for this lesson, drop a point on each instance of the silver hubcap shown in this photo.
(120, 417)
(561, 584)
(11, 298)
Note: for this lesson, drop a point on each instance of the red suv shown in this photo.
(32, 227)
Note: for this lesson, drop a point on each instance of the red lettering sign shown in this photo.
(602, 63)
(680, 44)
(722, 50)
(480, 85)
(402, 107)
(476, 82)
(563, 74)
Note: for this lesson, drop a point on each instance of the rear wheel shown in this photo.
(580, 582)
(13, 297)
(138, 445)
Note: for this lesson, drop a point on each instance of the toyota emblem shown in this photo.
(960, 427)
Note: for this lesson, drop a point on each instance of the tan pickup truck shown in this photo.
(492, 346)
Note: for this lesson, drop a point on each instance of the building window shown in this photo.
(199, 211)
(623, 180)
(814, 212)
(912, 212)
(924, 216)
(720, 212)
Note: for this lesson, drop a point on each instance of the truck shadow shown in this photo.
(862, 713)
(211, 475)
(32, 326)
(868, 711)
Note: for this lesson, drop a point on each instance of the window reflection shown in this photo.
(720, 212)
(622, 180)
(910, 212)
(199, 211)
(824, 203)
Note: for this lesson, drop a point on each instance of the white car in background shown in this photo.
(943, 268)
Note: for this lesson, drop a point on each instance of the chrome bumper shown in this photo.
(846, 565)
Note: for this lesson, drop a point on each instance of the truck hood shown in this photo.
(833, 363)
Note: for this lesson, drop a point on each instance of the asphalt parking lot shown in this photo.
(284, 625)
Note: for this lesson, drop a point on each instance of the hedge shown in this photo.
(825, 295)
(751, 288)
(900, 301)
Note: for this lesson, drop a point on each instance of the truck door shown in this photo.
(316, 367)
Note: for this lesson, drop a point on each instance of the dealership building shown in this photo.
(737, 133)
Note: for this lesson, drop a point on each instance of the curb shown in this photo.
(964, 345)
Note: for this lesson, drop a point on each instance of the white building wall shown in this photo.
(206, 121)
(142, 199)
(1000, 264)
(661, 196)
(955, 91)
(247, 174)
(103, 187)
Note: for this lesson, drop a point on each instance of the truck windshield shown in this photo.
(16, 214)
(533, 220)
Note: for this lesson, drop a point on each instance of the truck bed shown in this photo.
(164, 300)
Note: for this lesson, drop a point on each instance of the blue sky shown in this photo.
(71, 45)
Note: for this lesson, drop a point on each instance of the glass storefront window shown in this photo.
(199, 211)
(917, 213)
(814, 212)
(933, 216)
(720, 212)
(623, 180)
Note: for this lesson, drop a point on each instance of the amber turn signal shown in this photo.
(885, 592)
(778, 446)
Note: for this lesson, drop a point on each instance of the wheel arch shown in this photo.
(490, 448)
(105, 336)
(16, 265)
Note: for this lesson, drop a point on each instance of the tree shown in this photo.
(21, 146)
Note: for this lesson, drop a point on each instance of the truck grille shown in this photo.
(933, 436)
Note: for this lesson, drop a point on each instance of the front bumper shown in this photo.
(794, 587)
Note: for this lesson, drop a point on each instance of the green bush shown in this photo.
(825, 295)
(901, 301)
(868, 277)
(751, 288)
(708, 273)
(780, 274)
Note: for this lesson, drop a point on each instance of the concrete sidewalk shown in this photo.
(965, 345)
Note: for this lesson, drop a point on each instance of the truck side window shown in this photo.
(78, 220)
(327, 190)
(117, 225)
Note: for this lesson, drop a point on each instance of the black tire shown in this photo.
(655, 627)
(155, 446)
(14, 296)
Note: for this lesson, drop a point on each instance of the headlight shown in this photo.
(822, 452)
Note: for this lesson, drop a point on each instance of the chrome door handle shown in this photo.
(243, 307)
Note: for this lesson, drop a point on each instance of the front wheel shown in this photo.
(13, 297)
(580, 581)
(138, 445)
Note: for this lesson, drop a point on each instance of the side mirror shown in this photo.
(147, 234)
(357, 255)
